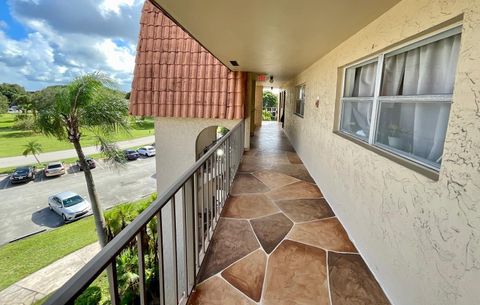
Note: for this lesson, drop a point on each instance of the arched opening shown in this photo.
(207, 138)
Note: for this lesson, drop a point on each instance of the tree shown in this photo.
(24, 101)
(34, 148)
(87, 103)
(269, 99)
(44, 98)
(11, 91)
(3, 104)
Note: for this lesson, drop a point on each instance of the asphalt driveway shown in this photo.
(24, 209)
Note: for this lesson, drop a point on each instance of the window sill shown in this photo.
(416, 167)
(298, 114)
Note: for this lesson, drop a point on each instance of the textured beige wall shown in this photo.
(420, 237)
(175, 141)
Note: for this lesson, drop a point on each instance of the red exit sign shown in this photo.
(262, 78)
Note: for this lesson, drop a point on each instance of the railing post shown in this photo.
(224, 172)
(113, 282)
(141, 268)
(227, 154)
(195, 225)
(202, 210)
(161, 279)
(174, 245)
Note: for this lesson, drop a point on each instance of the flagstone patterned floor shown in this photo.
(278, 241)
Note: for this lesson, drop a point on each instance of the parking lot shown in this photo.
(24, 208)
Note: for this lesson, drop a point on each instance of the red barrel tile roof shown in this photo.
(176, 77)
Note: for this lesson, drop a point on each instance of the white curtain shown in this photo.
(427, 70)
(360, 82)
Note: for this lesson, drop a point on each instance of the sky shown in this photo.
(50, 42)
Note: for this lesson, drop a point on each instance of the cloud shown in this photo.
(69, 38)
(3, 25)
(114, 6)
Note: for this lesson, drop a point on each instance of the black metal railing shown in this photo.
(175, 230)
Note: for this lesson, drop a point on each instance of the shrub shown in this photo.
(24, 122)
(91, 296)
(127, 262)
(266, 116)
(119, 217)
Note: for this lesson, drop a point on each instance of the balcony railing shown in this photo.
(182, 221)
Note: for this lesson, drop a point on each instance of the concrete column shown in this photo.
(258, 106)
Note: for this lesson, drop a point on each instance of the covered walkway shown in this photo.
(278, 241)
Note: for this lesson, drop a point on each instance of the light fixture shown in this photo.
(271, 79)
(220, 152)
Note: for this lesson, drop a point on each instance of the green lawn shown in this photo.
(24, 257)
(12, 140)
(28, 255)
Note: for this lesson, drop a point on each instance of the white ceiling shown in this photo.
(277, 37)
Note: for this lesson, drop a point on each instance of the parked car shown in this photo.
(131, 154)
(91, 163)
(147, 151)
(54, 169)
(23, 174)
(13, 109)
(69, 205)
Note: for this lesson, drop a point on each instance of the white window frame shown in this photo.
(360, 98)
(300, 100)
(377, 99)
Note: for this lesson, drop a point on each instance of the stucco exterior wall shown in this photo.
(175, 141)
(420, 237)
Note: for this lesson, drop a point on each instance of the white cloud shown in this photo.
(3, 25)
(114, 6)
(121, 59)
(59, 48)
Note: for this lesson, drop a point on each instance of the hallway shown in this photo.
(278, 241)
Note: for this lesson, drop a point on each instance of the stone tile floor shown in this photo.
(278, 241)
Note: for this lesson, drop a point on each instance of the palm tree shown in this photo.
(34, 148)
(87, 103)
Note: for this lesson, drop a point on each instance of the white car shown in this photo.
(147, 151)
(69, 206)
(54, 169)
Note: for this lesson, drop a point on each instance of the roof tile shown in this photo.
(175, 76)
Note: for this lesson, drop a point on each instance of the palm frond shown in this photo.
(107, 114)
(32, 147)
(114, 156)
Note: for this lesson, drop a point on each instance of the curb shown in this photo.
(25, 236)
